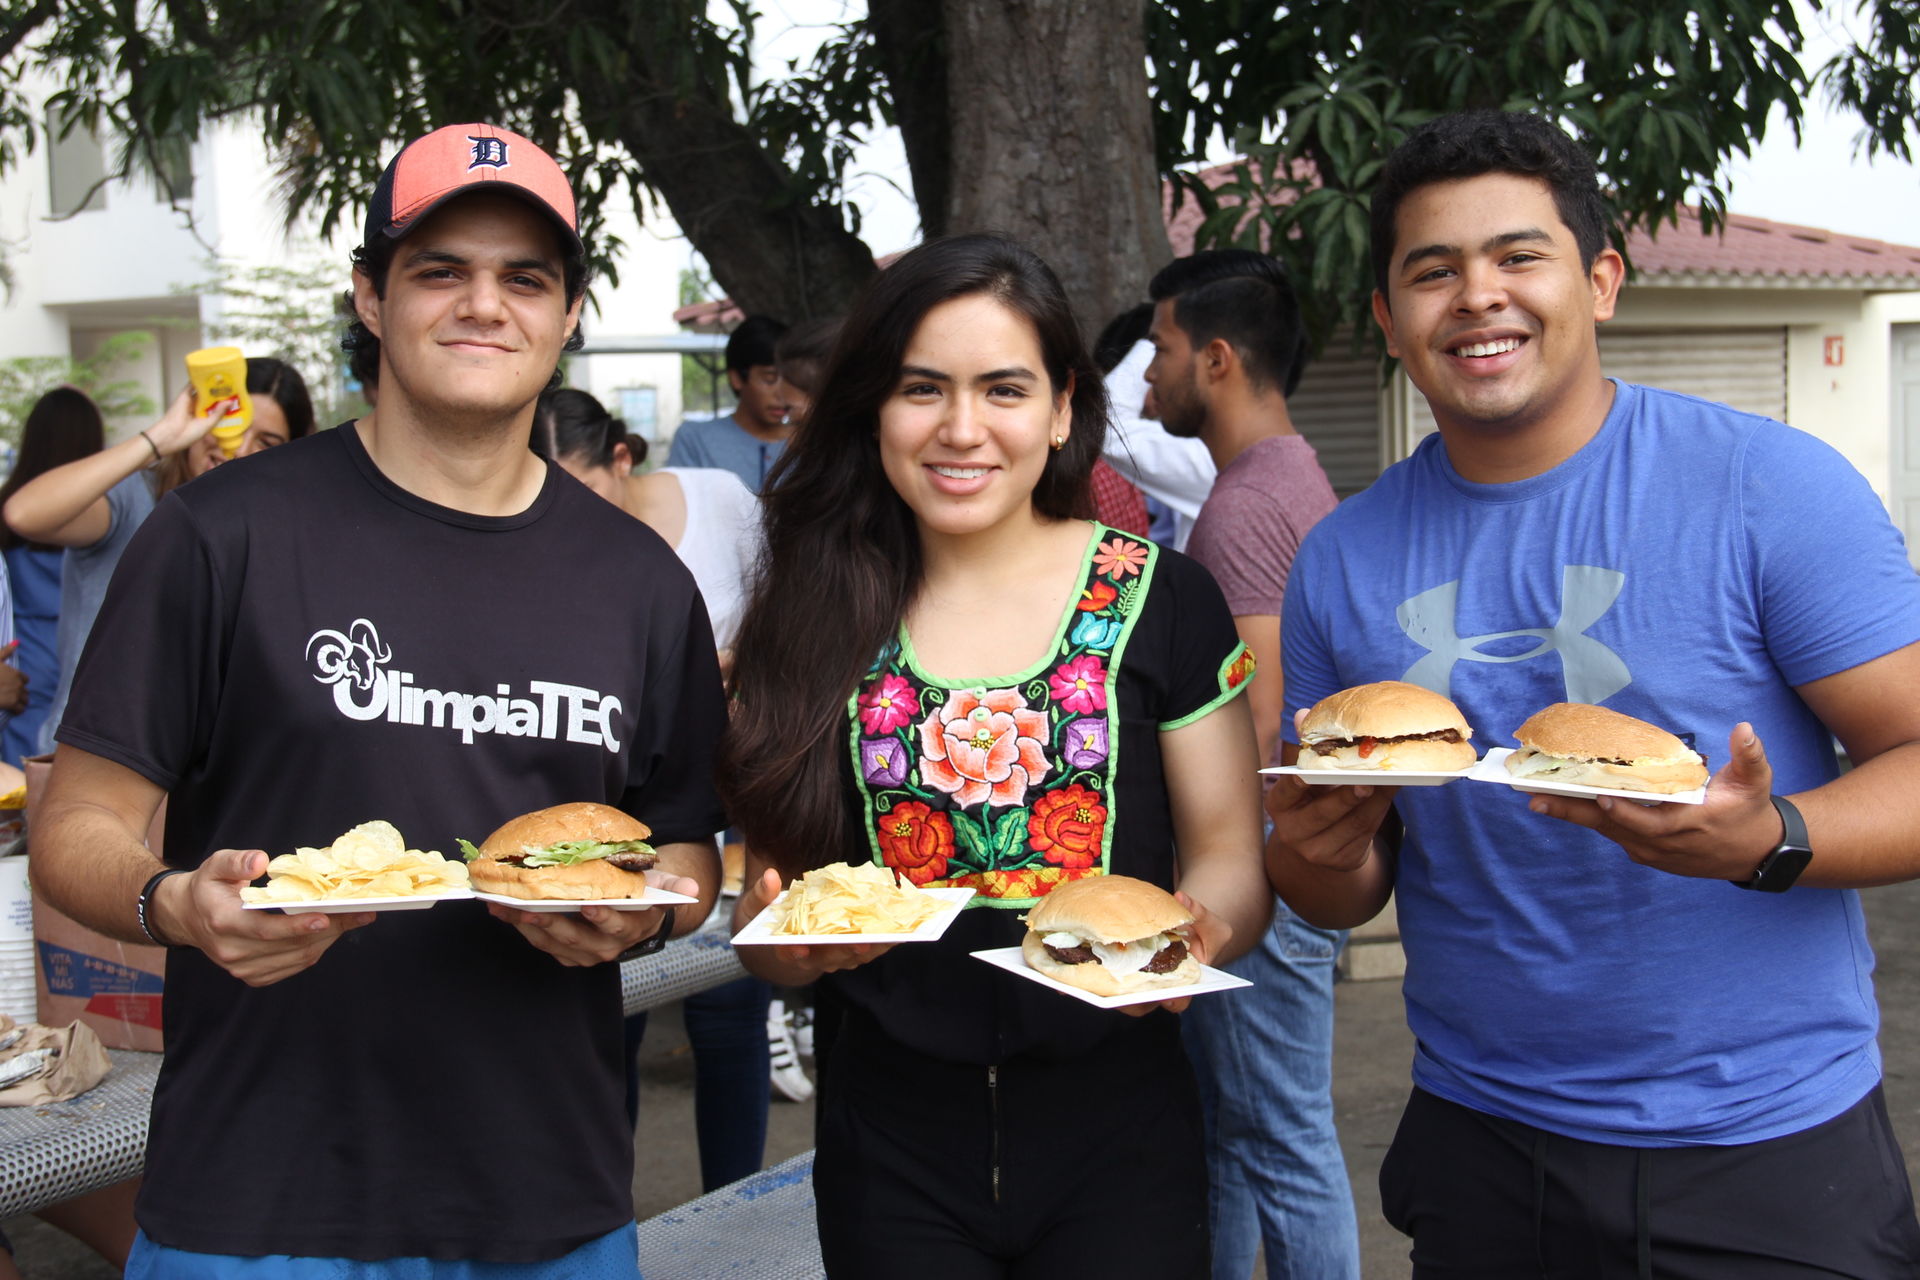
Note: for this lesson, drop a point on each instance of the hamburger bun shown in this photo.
(1387, 725)
(1595, 747)
(560, 824)
(1109, 911)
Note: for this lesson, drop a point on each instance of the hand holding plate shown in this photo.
(593, 934)
(1723, 838)
(203, 910)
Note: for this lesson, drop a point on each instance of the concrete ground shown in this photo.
(1371, 1054)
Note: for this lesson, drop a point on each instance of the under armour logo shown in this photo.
(488, 151)
(1592, 671)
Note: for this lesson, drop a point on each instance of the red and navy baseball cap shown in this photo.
(461, 159)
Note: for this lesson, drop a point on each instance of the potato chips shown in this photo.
(854, 898)
(370, 861)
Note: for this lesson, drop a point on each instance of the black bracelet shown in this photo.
(143, 904)
(649, 946)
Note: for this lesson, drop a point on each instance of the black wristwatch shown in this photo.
(1780, 868)
(649, 946)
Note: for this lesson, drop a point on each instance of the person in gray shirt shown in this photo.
(748, 441)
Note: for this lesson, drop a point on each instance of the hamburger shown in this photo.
(1111, 935)
(583, 851)
(1386, 725)
(1594, 747)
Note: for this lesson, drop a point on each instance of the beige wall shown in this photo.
(1847, 405)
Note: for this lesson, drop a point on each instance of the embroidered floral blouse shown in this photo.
(1012, 785)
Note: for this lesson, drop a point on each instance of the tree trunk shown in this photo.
(774, 252)
(912, 49)
(1052, 141)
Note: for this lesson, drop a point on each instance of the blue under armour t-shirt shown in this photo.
(1689, 566)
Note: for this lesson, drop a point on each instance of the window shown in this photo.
(76, 165)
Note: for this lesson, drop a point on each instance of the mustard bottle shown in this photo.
(219, 376)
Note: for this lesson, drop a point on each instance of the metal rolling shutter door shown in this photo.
(1745, 368)
(1337, 408)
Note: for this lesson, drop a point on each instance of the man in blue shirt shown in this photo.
(749, 440)
(1625, 1064)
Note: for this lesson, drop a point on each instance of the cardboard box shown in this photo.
(83, 975)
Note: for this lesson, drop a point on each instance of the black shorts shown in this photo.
(927, 1169)
(1492, 1199)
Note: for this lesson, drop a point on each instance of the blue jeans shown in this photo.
(613, 1256)
(1264, 1058)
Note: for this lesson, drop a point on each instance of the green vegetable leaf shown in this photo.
(573, 852)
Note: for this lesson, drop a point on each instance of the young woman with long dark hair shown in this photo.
(63, 426)
(945, 669)
(92, 505)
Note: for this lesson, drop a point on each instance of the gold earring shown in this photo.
(1059, 443)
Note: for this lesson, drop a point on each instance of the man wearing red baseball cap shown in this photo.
(395, 620)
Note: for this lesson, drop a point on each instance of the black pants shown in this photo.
(932, 1170)
(1492, 1199)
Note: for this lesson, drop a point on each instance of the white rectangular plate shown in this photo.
(758, 932)
(653, 897)
(340, 906)
(1014, 961)
(1368, 777)
(1493, 768)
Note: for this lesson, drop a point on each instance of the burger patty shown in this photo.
(1328, 746)
(624, 861)
(1165, 960)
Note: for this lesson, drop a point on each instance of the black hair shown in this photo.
(752, 343)
(363, 360)
(1244, 299)
(837, 533)
(570, 423)
(63, 426)
(282, 383)
(1470, 143)
(1123, 333)
(373, 258)
(802, 352)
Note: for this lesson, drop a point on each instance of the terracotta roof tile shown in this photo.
(1756, 247)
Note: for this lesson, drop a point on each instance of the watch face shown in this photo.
(1781, 869)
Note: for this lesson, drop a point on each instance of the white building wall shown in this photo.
(123, 268)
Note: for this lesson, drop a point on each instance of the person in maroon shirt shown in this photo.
(1229, 348)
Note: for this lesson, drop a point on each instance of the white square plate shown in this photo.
(1013, 960)
(758, 932)
(1369, 777)
(342, 906)
(653, 897)
(1493, 768)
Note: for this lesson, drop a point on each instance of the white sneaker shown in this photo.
(802, 1019)
(789, 1078)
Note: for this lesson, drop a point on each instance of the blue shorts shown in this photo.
(613, 1256)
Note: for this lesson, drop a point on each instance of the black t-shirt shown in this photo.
(293, 645)
(1012, 785)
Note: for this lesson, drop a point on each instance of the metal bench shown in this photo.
(50, 1153)
(760, 1226)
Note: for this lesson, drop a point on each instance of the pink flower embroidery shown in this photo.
(1080, 686)
(1119, 557)
(984, 744)
(888, 704)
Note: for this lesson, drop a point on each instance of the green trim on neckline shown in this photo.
(910, 658)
